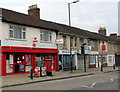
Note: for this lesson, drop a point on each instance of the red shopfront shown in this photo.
(19, 60)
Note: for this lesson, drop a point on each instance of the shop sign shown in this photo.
(88, 48)
(91, 52)
(88, 52)
(59, 41)
(35, 39)
(66, 52)
(103, 47)
(102, 53)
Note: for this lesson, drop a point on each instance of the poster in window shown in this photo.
(21, 67)
(11, 59)
(28, 62)
(28, 59)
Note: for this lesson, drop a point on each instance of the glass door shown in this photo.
(19, 63)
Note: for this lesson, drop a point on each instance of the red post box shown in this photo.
(48, 66)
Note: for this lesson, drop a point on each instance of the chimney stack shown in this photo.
(102, 30)
(34, 11)
(114, 35)
(118, 37)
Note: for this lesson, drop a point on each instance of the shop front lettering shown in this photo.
(65, 51)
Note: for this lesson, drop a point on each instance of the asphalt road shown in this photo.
(102, 81)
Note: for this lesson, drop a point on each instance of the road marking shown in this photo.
(93, 84)
(89, 86)
(111, 79)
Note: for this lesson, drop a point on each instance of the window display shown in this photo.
(92, 59)
(39, 61)
(28, 62)
(9, 63)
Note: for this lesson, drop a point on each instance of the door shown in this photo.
(19, 63)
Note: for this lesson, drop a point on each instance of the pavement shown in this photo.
(22, 79)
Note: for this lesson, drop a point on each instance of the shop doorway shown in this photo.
(19, 63)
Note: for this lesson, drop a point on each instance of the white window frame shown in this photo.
(23, 30)
(42, 39)
(92, 43)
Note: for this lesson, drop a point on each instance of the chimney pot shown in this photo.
(113, 35)
(102, 30)
(34, 11)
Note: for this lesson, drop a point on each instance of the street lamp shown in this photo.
(69, 10)
(70, 25)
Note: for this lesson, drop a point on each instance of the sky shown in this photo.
(86, 14)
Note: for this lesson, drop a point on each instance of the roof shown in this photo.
(27, 20)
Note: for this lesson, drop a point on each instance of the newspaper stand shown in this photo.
(43, 71)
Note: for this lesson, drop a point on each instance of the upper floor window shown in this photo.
(81, 40)
(75, 41)
(45, 36)
(64, 40)
(92, 43)
(71, 41)
(17, 32)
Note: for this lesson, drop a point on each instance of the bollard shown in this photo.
(31, 74)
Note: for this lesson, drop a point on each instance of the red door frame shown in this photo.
(3, 64)
(18, 63)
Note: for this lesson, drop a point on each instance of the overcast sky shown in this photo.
(86, 14)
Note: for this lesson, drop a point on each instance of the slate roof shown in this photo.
(27, 20)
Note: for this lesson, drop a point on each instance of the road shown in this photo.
(101, 81)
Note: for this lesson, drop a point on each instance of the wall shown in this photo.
(0, 29)
(30, 34)
(111, 48)
(95, 48)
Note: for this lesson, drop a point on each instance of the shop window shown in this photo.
(92, 59)
(66, 62)
(28, 62)
(104, 59)
(64, 41)
(39, 61)
(9, 63)
(110, 59)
